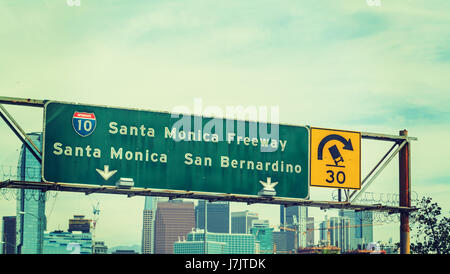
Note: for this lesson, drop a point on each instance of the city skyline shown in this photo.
(331, 64)
(256, 223)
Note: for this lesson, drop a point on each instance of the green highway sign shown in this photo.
(98, 145)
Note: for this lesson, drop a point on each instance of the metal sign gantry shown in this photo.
(401, 146)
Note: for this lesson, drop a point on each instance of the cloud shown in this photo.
(406, 115)
(355, 26)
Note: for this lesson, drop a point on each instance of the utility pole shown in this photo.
(404, 193)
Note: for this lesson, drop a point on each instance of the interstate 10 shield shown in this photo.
(84, 123)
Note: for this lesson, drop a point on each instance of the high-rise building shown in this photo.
(241, 222)
(345, 234)
(283, 241)
(361, 228)
(9, 235)
(364, 228)
(148, 225)
(79, 223)
(173, 219)
(227, 243)
(198, 247)
(335, 231)
(310, 231)
(295, 217)
(324, 233)
(263, 235)
(60, 242)
(100, 248)
(218, 216)
(30, 210)
(339, 228)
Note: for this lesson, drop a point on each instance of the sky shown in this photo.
(332, 64)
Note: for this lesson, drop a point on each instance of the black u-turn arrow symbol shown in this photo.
(347, 144)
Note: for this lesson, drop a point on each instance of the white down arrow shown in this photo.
(106, 173)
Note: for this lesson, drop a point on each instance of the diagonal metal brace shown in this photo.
(14, 126)
(400, 146)
(371, 172)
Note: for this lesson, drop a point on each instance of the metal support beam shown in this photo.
(386, 137)
(22, 101)
(372, 171)
(20, 133)
(379, 163)
(11, 119)
(205, 228)
(405, 194)
(201, 195)
(4, 183)
(90, 191)
(378, 172)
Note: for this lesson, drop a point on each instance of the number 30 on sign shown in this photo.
(335, 158)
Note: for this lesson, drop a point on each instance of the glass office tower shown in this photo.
(59, 242)
(295, 217)
(310, 231)
(263, 234)
(9, 235)
(241, 222)
(283, 241)
(361, 228)
(217, 243)
(198, 247)
(339, 228)
(218, 216)
(30, 208)
(148, 225)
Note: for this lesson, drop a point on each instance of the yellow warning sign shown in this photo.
(335, 158)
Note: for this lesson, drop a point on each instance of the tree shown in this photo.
(431, 231)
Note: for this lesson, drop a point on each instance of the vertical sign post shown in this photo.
(405, 194)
